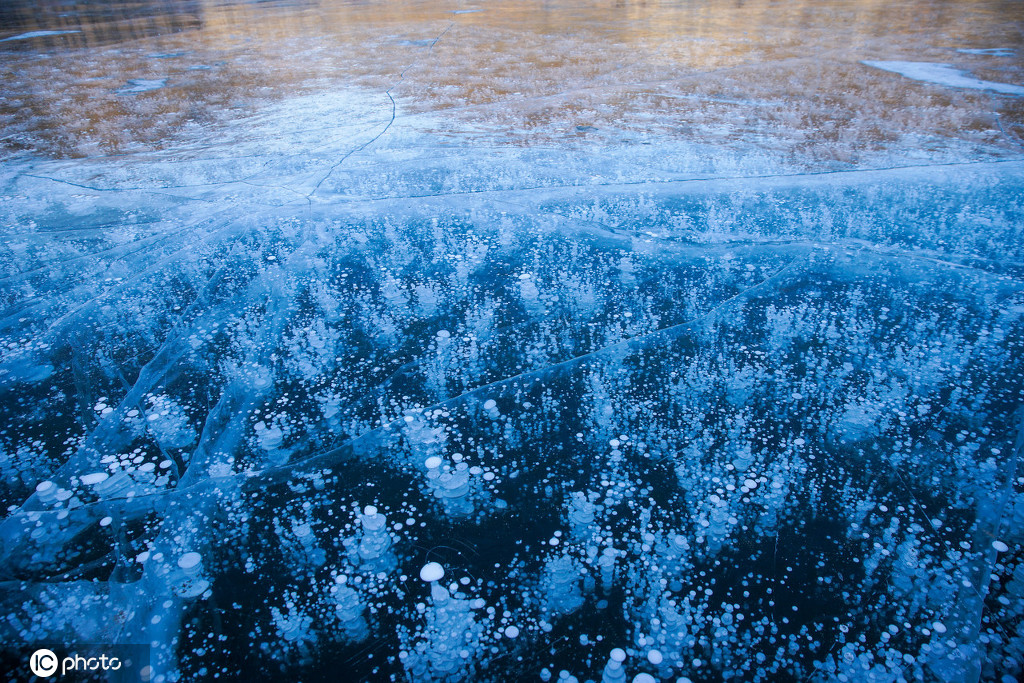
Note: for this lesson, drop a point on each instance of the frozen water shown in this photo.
(992, 51)
(37, 34)
(432, 342)
(136, 85)
(944, 74)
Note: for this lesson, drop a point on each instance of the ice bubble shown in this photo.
(189, 560)
(433, 462)
(106, 521)
(644, 678)
(438, 593)
(618, 654)
(511, 631)
(47, 491)
(1000, 546)
(97, 477)
(490, 404)
(369, 511)
(432, 571)
(654, 657)
(939, 627)
(443, 334)
(192, 588)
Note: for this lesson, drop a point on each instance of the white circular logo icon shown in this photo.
(43, 663)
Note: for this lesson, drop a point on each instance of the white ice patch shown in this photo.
(38, 34)
(137, 85)
(944, 74)
(990, 52)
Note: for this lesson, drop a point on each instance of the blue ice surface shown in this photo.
(735, 419)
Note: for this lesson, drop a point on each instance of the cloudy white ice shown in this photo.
(538, 341)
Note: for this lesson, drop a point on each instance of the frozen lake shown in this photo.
(498, 341)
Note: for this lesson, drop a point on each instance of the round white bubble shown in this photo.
(1000, 546)
(189, 560)
(618, 654)
(654, 657)
(433, 462)
(431, 572)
